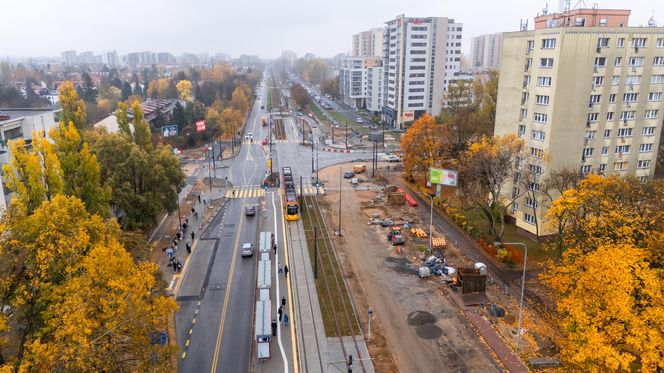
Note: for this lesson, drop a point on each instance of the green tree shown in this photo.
(80, 169)
(142, 134)
(88, 88)
(73, 109)
(300, 95)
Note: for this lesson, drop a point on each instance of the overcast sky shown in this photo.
(262, 27)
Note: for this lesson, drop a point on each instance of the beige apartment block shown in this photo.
(587, 98)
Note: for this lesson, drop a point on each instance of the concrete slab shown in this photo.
(197, 270)
(337, 360)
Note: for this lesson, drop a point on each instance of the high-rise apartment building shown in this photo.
(111, 59)
(419, 57)
(360, 82)
(585, 92)
(69, 57)
(368, 43)
(485, 51)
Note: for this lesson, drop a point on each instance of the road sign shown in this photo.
(169, 131)
(443, 176)
(200, 126)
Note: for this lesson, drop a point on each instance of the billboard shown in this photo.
(408, 116)
(200, 126)
(169, 131)
(443, 177)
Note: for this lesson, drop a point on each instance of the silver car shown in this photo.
(247, 249)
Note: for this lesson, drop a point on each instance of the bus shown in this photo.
(291, 205)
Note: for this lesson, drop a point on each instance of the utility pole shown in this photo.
(214, 165)
(301, 191)
(210, 171)
(315, 253)
(339, 201)
(312, 152)
(232, 138)
(346, 134)
(332, 133)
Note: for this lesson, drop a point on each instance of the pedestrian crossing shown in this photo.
(259, 142)
(256, 191)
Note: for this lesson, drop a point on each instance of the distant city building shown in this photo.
(164, 58)
(309, 56)
(111, 59)
(69, 57)
(360, 82)
(420, 55)
(188, 59)
(289, 56)
(204, 58)
(368, 43)
(584, 91)
(485, 51)
(222, 57)
(248, 60)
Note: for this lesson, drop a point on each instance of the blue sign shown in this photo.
(169, 131)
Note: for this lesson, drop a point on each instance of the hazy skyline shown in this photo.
(265, 28)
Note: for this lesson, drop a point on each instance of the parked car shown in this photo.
(393, 158)
(250, 210)
(249, 136)
(359, 120)
(265, 141)
(349, 174)
(247, 249)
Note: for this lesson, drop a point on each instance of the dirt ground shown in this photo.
(415, 327)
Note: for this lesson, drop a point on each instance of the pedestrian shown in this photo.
(186, 221)
(178, 235)
(199, 198)
(169, 252)
(192, 236)
(281, 313)
(274, 247)
(179, 265)
(286, 319)
(175, 266)
(233, 193)
(274, 327)
(286, 270)
(193, 210)
(205, 201)
(175, 242)
(188, 247)
(184, 227)
(283, 301)
(196, 214)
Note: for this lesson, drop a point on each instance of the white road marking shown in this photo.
(276, 281)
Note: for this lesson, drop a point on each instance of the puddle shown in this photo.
(419, 318)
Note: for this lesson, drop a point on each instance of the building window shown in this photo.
(651, 114)
(524, 113)
(605, 150)
(530, 219)
(658, 61)
(607, 134)
(633, 79)
(585, 168)
(625, 132)
(622, 149)
(542, 100)
(630, 97)
(522, 130)
(615, 80)
(546, 62)
(544, 81)
(655, 96)
(648, 131)
(602, 42)
(530, 202)
(537, 153)
(588, 152)
(531, 45)
(600, 62)
(627, 115)
(595, 99)
(620, 43)
(619, 166)
(592, 117)
(548, 43)
(598, 80)
(538, 135)
(602, 167)
(618, 61)
(660, 43)
(591, 134)
(645, 148)
(612, 98)
(540, 118)
(656, 79)
(609, 115)
(537, 170)
(639, 42)
(643, 164)
(535, 187)
(636, 61)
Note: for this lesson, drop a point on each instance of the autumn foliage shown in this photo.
(424, 146)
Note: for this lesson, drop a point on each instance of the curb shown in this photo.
(332, 150)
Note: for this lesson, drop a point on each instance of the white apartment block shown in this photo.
(360, 82)
(585, 92)
(485, 51)
(420, 55)
(368, 43)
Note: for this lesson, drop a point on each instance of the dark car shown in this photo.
(349, 174)
(250, 210)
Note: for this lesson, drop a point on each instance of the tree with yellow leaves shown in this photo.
(159, 88)
(105, 318)
(485, 169)
(230, 121)
(424, 145)
(611, 304)
(239, 101)
(184, 88)
(73, 109)
(34, 175)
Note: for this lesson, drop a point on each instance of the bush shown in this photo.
(490, 249)
(514, 254)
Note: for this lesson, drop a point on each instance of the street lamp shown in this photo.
(430, 223)
(523, 286)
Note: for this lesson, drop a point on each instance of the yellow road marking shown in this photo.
(184, 354)
(193, 321)
(186, 344)
(224, 308)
